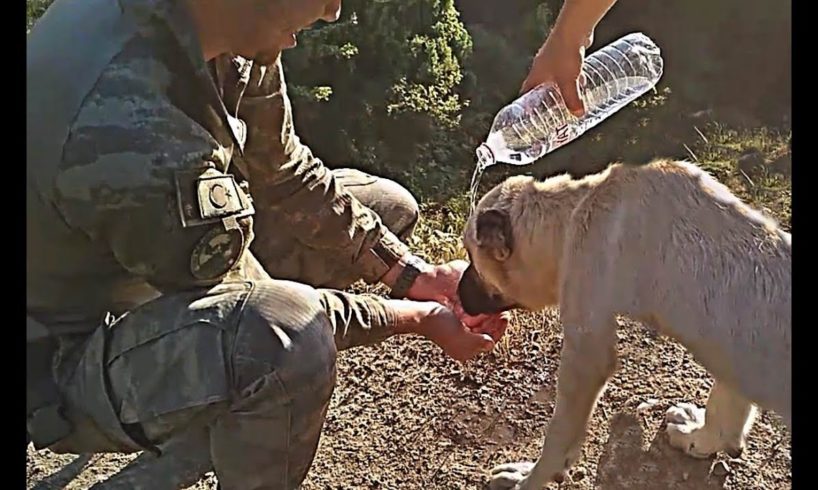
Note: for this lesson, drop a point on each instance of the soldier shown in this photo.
(153, 320)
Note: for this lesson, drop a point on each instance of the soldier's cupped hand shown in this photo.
(440, 284)
(442, 326)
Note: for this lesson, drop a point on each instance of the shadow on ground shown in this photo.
(61, 478)
(624, 464)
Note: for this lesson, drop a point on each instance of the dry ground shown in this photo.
(404, 417)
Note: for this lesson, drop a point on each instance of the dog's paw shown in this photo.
(510, 476)
(686, 431)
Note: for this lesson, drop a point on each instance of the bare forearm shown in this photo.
(560, 58)
(580, 17)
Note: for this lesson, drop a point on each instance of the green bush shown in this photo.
(34, 9)
(408, 88)
(384, 79)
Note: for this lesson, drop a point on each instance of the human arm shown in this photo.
(560, 58)
(367, 319)
(285, 176)
(128, 180)
(292, 188)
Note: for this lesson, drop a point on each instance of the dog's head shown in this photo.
(490, 241)
(514, 240)
(490, 246)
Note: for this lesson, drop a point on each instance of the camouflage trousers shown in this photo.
(235, 379)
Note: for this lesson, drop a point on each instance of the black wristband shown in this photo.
(411, 270)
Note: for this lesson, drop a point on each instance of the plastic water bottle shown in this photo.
(538, 121)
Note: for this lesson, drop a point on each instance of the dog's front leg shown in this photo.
(587, 360)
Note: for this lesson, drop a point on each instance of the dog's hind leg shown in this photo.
(588, 359)
(722, 426)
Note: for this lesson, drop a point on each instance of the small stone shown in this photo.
(578, 474)
(703, 115)
(647, 404)
(721, 469)
(782, 165)
(751, 162)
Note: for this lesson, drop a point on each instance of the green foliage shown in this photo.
(34, 9)
(409, 88)
(394, 69)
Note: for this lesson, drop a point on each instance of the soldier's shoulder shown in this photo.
(128, 124)
(128, 139)
(131, 87)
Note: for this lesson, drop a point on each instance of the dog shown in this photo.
(665, 244)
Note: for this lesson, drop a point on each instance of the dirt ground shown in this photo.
(405, 417)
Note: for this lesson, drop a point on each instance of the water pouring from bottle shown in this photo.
(538, 122)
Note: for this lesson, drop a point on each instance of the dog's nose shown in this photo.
(470, 292)
(474, 297)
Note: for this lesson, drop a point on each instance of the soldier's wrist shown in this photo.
(410, 316)
(403, 275)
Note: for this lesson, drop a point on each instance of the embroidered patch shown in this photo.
(216, 253)
(209, 197)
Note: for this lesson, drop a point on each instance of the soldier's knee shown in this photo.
(395, 205)
(284, 329)
(402, 210)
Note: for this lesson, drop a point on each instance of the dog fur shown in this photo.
(665, 244)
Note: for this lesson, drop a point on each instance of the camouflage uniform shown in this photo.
(171, 336)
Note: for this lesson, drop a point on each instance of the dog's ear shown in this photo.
(494, 233)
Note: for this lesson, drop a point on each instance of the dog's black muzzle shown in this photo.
(474, 297)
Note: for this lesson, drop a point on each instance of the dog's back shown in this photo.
(702, 267)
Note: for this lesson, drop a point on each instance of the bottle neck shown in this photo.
(485, 157)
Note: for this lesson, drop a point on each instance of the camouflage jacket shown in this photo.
(128, 207)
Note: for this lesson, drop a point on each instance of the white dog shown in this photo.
(665, 244)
